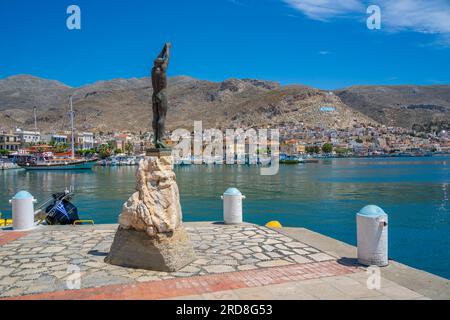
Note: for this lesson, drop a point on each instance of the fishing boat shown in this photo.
(102, 163)
(116, 161)
(6, 164)
(290, 160)
(186, 161)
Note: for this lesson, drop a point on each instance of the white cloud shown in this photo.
(427, 16)
(424, 16)
(325, 9)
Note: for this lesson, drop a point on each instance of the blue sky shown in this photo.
(322, 43)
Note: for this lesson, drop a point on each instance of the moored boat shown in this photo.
(59, 164)
(7, 165)
(50, 161)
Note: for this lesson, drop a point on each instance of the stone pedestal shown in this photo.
(150, 235)
(166, 252)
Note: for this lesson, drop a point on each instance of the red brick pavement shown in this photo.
(201, 284)
(8, 236)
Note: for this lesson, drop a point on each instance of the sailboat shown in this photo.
(54, 163)
(50, 161)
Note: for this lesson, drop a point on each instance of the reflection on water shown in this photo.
(444, 203)
(323, 197)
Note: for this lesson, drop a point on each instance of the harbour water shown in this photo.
(323, 197)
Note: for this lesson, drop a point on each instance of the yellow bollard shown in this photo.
(5, 222)
(274, 224)
(77, 222)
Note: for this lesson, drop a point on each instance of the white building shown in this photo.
(85, 140)
(56, 138)
(27, 137)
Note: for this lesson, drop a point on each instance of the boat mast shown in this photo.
(72, 113)
(35, 121)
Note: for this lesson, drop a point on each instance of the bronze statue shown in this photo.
(159, 99)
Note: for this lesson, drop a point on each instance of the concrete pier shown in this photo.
(233, 262)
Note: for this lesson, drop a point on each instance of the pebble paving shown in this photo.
(46, 260)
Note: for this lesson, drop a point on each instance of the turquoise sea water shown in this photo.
(322, 197)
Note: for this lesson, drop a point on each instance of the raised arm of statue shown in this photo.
(164, 57)
(163, 52)
(167, 54)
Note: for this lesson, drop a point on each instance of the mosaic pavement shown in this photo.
(42, 261)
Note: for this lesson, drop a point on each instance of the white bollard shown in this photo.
(372, 233)
(232, 206)
(23, 211)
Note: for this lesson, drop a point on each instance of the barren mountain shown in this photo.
(19, 94)
(423, 108)
(125, 104)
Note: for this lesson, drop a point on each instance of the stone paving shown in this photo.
(38, 262)
(351, 286)
(258, 280)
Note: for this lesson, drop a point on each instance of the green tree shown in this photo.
(61, 147)
(104, 151)
(129, 148)
(4, 152)
(89, 152)
(327, 148)
(342, 151)
(312, 149)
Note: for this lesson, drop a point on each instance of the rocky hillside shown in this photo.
(124, 104)
(423, 108)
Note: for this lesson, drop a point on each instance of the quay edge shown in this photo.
(425, 283)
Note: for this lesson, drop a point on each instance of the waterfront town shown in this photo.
(359, 141)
